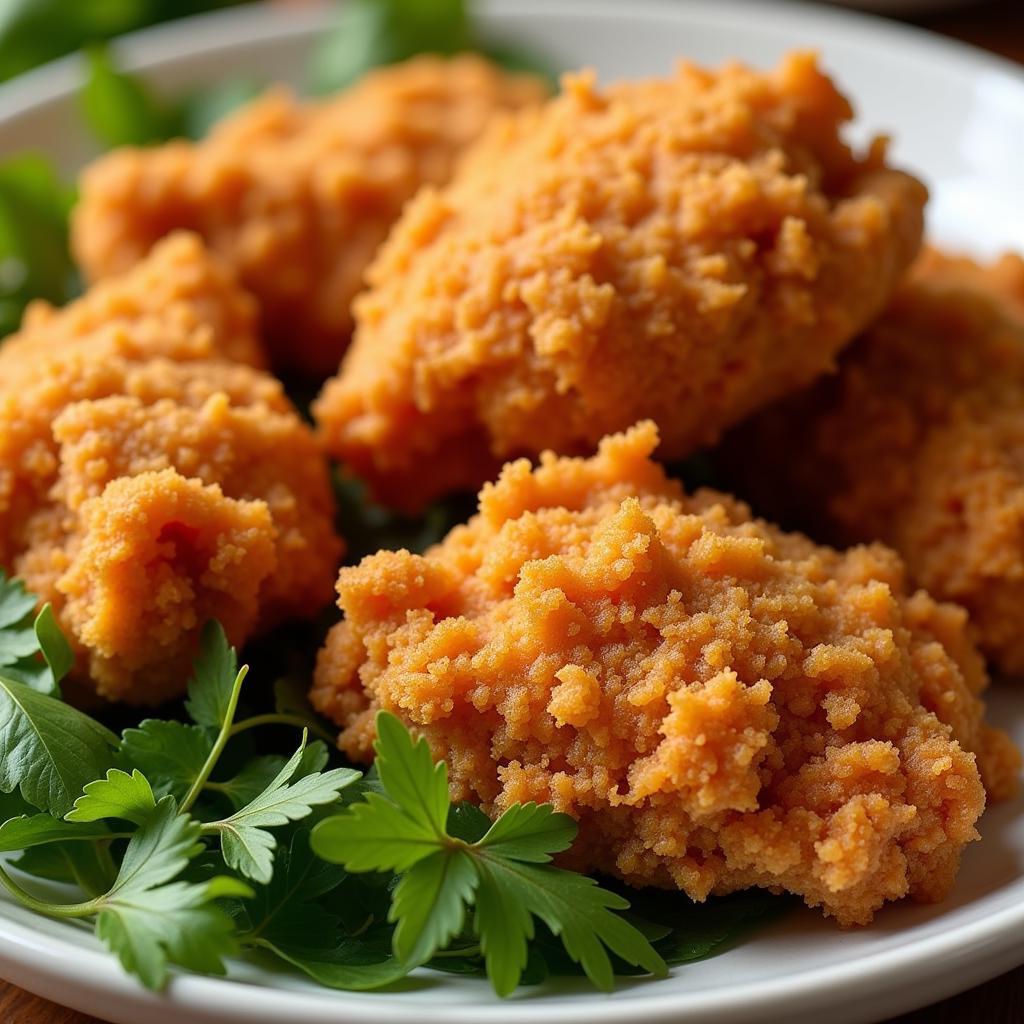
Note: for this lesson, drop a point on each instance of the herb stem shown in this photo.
(272, 719)
(218, 748)
(41, 906)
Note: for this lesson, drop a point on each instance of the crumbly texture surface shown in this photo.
(148, 484)
(917, 441)
(719, 704)
(297, 196)
(682, 249)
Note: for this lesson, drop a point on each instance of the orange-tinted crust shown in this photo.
(297, 196)
(919, 442)
(720, 704)
(147, 484)
(684, 249)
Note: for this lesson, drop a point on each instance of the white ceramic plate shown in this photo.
(957, 117)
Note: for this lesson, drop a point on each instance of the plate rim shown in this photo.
(912, 965)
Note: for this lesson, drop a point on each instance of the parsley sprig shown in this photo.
(190, 843)
(505, 875)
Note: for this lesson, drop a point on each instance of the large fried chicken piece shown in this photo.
(297, 196)
(719, 704)
(684, 249)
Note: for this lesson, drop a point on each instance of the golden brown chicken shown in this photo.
(148, 484)
(296, 197)
(917, 441)
(684, 249)
(720, 704)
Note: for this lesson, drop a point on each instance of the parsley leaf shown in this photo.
(148, 920)
(245, 842)
(172, 754)
(27, 831)
(505, 872)
(119, 795)
(48, 749)
(33, 650)
(213, 678)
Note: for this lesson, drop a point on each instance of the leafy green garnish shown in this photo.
(149, 920)
(35, 261)
(171, 753)
(371, 33)
(48, 750)
(213, 678)
(119, 795)
(506, 872)
(245, 842)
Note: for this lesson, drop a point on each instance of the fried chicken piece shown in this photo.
(684, 249)
(918, 441)
(718, 703)
(147, 485)
(297, 196)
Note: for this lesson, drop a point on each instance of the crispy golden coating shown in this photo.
(684, 249)
(297, 196)
(147, 484)
(720, 704)
(919, 442)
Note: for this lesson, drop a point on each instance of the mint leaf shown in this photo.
(34, 830)
(48, 750)
(213, 678)
(148, 920)
(170, 754)
(119, 795)
(245, 842)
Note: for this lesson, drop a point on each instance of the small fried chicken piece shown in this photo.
(178, 305)
(719, 704)
(296, 197)
(918, 441)
(147, 485)
(684, 249)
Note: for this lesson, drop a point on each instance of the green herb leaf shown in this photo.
(260, 772)
(48, 750)
(34, 830)
(118, 107)
(119, 795)
(35, 261)
(203, 108)
(213, 678)
(148, 920)
(506, 870)
(85, 864)
(172, 754)
(429, 904)
(245, 842)
(33, 650)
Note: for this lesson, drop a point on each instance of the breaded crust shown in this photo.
(719, 704)
(147, 484)
(684, 249)
(917, 441)
(296, 196)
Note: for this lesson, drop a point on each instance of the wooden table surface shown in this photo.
(996, 26)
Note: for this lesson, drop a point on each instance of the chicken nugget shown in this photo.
(684, 249)
(917, 441)
(296, 196)
(719, 704)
